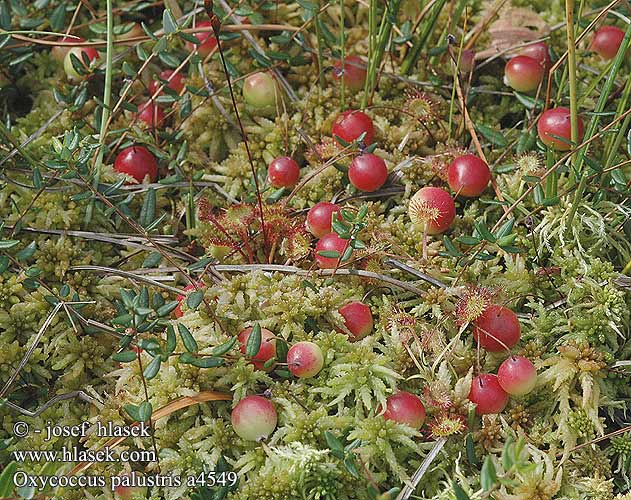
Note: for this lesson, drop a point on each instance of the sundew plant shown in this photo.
(309, 250)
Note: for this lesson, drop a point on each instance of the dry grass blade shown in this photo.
(165, 411)
(127, 274)
(418, 475)
(61, 397)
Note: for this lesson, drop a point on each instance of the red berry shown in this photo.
(254, 418)
(357, 319)
(468, 175)
(260, 90)
(137, 162)
(177, 312)
(78, 52)
(523, 73)
(305, 359)
(283, 172)
(556, 121)
(354, 72)
(432, 206)
(405, 408)
(176, 82)
(497, 328)
(58, 52)
(267, 350)
(517, 375)
(367, 172)
(330, 242)
(208, 42)
(151, 114)
(349, 125)
(607, 41)
(320, 217)
(539, 52)
(487, 393)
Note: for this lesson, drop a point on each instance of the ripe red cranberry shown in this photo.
(523, 73)
(330, 242)
(539, 52)
(367, 172)
(354, 71)
(487, 393)
(357, 319)
(71, 72)
(305, 359)
(497, 328)
(433, 206)
(320, 217)
(260, 90)
(151, 114)
(208, 42)
(267, 350)
(607, 41)
(468, 175)
(556, 121)
(177, 312)
(350, 124)
(517, 375)
(137, 162)
(405, 408)
(176, 81)
(283, 172)
(254, 418)
(58, 52)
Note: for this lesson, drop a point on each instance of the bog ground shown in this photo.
(344, 250)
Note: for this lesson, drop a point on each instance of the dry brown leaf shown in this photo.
(173, 406)
(514, 26)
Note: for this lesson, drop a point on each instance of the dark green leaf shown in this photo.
(169, 24)
(460, 493)
(27, 252)
(488, 476)
(253, 345)
(493, 136)
(210, 362)
(468, 240)
(194, 299)
(330, 254)
(167, 308)
(148, 211)
(6, 244)
(144, 411)
(152, 368)
(481, 228)
(189, 341)
(451, 249)
(6, 480)
(152, 260)
(124, 357)
(471, 456)
(222, 349)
